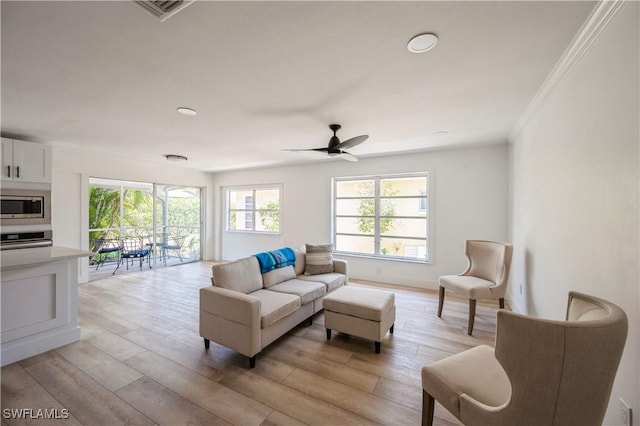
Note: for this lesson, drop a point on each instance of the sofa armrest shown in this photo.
(230, 304)
(231, 318)
(341, 266)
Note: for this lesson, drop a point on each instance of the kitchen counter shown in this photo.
(39, 297)
(18, 258)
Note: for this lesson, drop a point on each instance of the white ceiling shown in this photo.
(270, 75)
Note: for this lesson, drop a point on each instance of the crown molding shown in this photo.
(593, 26)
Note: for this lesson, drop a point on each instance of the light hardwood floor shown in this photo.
(142, 361)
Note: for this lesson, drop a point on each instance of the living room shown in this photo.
(561, 185)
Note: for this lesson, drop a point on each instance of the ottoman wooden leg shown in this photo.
(377, 344)
(328, 333)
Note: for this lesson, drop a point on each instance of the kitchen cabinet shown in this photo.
(39, 301)
(25, 161)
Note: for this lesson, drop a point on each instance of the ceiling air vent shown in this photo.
(163, 9)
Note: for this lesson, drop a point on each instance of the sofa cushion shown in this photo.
(319, 259)
(277, 276)
(365, 303)
(306, 290)
(242, 275)
(471, 287)
(275, 305)
(331, 281)
(300, 260)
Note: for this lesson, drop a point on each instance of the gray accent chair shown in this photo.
(542, 372)
(486, 275)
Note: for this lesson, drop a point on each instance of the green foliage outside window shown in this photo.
(367, 209)
(270, 217)
(184, 211)
(137, 212)
(104, 212)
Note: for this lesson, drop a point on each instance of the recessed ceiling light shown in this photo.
(175, 157)
(186, 111)
(422, 43)
(442, 133)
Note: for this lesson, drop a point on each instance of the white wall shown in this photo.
(470, 201)
(72, 168)
(575, 182)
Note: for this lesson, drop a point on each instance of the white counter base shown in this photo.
(39, 307)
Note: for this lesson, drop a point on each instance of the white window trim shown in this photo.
(430, 217)
(226, 211)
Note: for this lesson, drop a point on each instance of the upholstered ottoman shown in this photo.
(361, 312)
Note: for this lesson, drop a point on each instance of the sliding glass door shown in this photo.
(178, 223)
(166, 220)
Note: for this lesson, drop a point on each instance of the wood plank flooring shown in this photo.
(141, 361)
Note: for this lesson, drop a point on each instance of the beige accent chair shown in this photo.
(486, 275)
(542, 372)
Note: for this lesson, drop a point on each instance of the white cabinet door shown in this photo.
(26, 161)
(7, 159)
(32, 162)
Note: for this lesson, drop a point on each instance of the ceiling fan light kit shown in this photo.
(337, 148)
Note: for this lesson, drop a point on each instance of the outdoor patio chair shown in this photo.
(173, 244)
(106, 249)
(133, 248)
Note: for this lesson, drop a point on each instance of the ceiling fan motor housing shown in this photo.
(334, 141)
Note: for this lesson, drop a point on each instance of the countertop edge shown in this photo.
(29, 257)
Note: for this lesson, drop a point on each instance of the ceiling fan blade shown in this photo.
(350, 143)
(348, 157)
(309, 149)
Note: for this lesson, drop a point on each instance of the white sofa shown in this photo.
(246, 310)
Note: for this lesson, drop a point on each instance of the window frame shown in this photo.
(226, 191)
(377, 254)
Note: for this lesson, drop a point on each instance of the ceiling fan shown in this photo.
(337, 148)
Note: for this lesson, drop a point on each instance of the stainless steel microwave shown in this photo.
(25, 207)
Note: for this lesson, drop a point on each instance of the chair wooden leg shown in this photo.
(501, 301)
(472, 314)
(440, 301)
(206, 343)
(427, 409)
(252, 362)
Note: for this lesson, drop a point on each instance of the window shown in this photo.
(253, 209)
(382, 216)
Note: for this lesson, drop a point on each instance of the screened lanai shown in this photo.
(138, 226)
